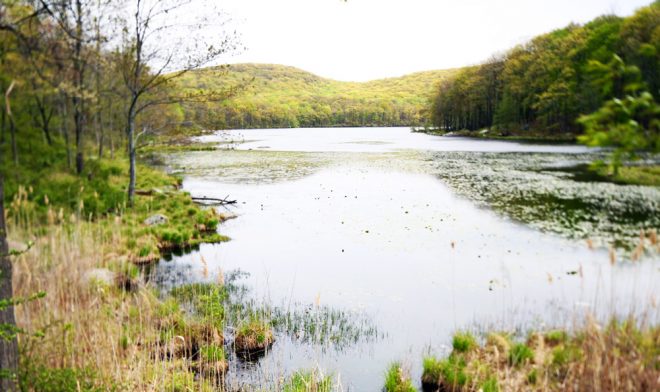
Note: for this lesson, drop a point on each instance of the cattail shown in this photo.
(221, 278)
(206, 266)
(638, 252)
(590, 244)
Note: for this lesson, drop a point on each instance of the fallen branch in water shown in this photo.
(215, 200)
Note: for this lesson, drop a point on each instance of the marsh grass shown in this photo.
(620, 356)
(99, 327)
(397, 379)
(308, 381)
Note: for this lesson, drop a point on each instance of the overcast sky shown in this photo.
(369, 39)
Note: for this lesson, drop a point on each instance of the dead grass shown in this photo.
(621, 356)
(90, 334)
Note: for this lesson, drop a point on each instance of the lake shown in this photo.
(394, 240)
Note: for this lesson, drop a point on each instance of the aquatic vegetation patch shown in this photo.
(325, 326)
(540, 189)
(308, 381)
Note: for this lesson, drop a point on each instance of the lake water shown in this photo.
(412, 237)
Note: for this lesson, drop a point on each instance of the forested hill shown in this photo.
(282, 96)
(545, 85)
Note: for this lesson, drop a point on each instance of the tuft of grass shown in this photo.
(308, 381)
(254, 336)
(433, 370)
(212, 353)
(520, 354)
(555, 337)
(463, 342)
(490, 385)
(398, 380)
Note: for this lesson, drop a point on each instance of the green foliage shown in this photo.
(627, 125)
(520, 354)
(463, 342)
(397, 381)
(543, 87)
(43, 379)
(280, 96)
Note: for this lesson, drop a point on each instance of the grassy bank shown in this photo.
(98, 326)
(620, 356)
(508, 135)
(631, 175)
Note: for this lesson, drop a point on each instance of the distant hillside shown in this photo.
(281, 96)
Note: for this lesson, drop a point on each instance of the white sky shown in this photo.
(369, 39)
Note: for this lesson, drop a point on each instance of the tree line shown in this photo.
(83, 80)
(276, 96)
(546, 84)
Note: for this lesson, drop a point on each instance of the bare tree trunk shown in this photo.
(78, 118)
(12, 125)
(12, 132)
(64, 129)
(46, 116)
(8, 348)
(79, 99)
(131, 154)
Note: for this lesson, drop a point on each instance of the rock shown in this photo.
(156, 220)
(17, 246)
(99, 275)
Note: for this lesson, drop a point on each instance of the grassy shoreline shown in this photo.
(95, 333)
(513, 136)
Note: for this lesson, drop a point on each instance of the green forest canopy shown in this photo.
(546, 84)
(280, 96)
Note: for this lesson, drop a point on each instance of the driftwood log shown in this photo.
(216, 201)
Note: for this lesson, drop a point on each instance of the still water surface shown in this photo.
(413, 237)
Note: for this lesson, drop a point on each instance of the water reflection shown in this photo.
(391, 231)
